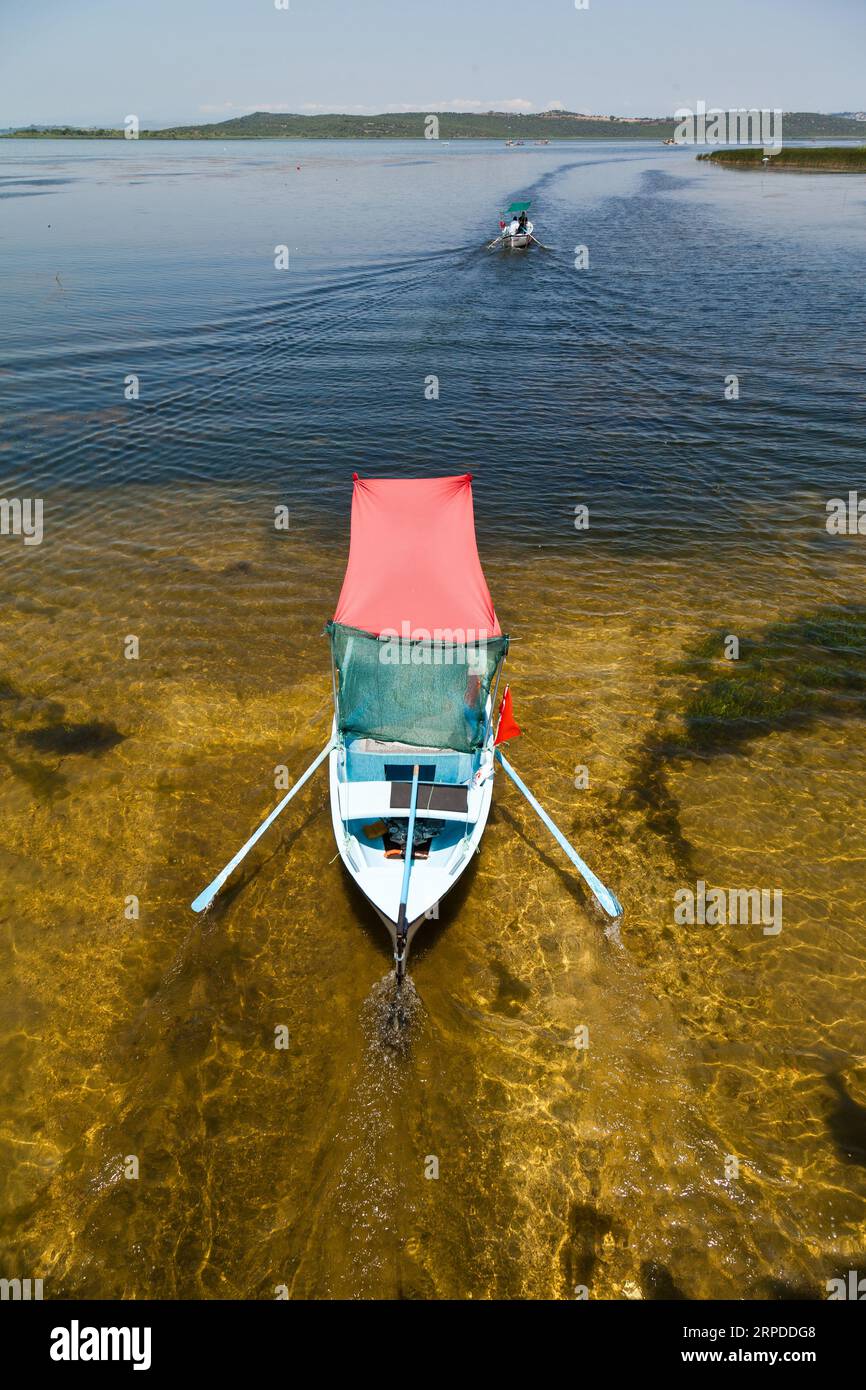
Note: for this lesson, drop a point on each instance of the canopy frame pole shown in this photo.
(489, 719)
(206, 897)
(338, 737)
(334, 682)
(400, 945)
(603, 895)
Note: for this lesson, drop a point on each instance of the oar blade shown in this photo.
(205, 898)
(609, 901)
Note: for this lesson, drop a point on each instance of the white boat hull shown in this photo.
(379, 878)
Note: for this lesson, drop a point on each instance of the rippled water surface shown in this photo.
(609, 1167)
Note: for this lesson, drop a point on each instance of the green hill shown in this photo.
(492, 125)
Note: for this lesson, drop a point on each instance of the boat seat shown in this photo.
(359, 800)
(432, 796)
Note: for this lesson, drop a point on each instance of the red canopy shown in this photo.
(413, 561)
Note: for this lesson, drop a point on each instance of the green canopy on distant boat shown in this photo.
(519, 207)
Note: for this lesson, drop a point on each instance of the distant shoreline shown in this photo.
(549, 126)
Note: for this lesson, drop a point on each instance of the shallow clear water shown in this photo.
(155, 1037)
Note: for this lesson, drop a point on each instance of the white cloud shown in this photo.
(235, 108)
(513, 104)
(471, 104)
(220, 107)
(333, 108)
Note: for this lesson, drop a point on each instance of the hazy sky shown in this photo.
(97, 61)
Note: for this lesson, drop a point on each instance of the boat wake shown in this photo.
(392, 1016)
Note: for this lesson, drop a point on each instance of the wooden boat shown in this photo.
(508, 240)
(384, 796)
(416, 660)
(417, 652)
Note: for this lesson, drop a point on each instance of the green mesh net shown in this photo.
(430, 694)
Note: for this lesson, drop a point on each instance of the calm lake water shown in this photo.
(612, 1167)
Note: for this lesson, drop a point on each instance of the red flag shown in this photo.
(507, 727)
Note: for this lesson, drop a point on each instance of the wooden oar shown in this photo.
(539, 243)
(603, 895)
(400, 952)
(205, 898)
(490, 245)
